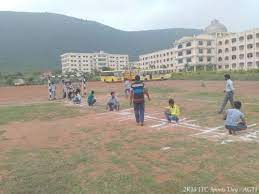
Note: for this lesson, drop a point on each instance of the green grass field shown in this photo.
(116, 158)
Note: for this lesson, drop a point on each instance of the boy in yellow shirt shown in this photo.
(172, 113)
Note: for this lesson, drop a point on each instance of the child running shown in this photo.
(235, 119)
(91, 99)
(113, 103)
(172, 113)
(127, 87)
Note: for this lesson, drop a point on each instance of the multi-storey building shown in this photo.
(195, 52)
(238, 51)
(88, 62)
(163, 59)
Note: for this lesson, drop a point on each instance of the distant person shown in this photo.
(113, 103)
(64, 89)
(91, 99)
(53, 91)
(137, 97)
(127, 88)
(84, 83)
(172, 113)
(49, 90)
(229, 90)
(235, 119)
(77, 99)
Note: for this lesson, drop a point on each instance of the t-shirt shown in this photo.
(229, 86)
(138, 89)
(127, 85)
(233, 117)
(90, 98)
(175, 110)
(113, 100)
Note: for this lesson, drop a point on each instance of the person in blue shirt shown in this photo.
(235, 119)
(91, 99)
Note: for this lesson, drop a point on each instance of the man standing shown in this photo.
(229, 93)
(137, 97)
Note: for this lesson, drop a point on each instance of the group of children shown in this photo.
(234, 118)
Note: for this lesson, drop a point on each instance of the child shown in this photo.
(91, 99)
(127, 86)
(172, 113)
(53, 91)
(77, 99)
(49, 89)
(137, 97)
(113, 103)
(235, 119)
(229, 90)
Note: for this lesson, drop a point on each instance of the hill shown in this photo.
(34, 41)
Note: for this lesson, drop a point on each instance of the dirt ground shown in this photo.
(58, 133)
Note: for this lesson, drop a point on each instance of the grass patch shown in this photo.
(46, 111)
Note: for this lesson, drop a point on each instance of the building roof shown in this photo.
(215, 27)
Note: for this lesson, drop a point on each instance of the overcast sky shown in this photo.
(237, 15)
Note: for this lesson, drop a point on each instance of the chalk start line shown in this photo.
(156, 121)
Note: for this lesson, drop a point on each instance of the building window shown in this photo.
(209, 59)
(180, 54)
(188, 44)
(257, 35)
(257, 54)
(189, 52)
(209, 43)
(189, 60)
(241, 65)
(249, 46)
(250, 37)
(250, 55)
(241, 38)
(220, 59)
(200, 59)
(226, 42)
(234, 57)
(234, 40)
(180, 61)
(226, 50)
(241, 56)
(242, 47)
(220, 66)
(209, 51)
(180, 46)
(234, 48)
(220, 43)
(200, 51)
(200, 43)
(249, 64)
(226, 58)
(257, 45)
(220, 51)
(226, 66)
(234, 65)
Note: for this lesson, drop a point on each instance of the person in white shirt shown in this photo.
(77, 99)
(229, 90)
(127, 86)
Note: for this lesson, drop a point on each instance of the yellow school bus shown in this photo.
(155, 74)
(129, 75)
(111, 76)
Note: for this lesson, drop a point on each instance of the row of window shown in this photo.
(241, 56)
(200, 59)
(158, 61)
(99, 56)
(158, 55)
(241, 48)
(241, 38)
(200, 43)
(240, 65)
(200, 51)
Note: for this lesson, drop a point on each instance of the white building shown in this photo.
(163, 59)
(88, 62)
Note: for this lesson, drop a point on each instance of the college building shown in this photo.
(90, 62)
(215, 49)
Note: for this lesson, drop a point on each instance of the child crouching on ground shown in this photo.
(113, 103)
(77, 99)
(172, 113)
(235, 119)
(91, 99)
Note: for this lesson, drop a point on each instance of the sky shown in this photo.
(131, 15)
